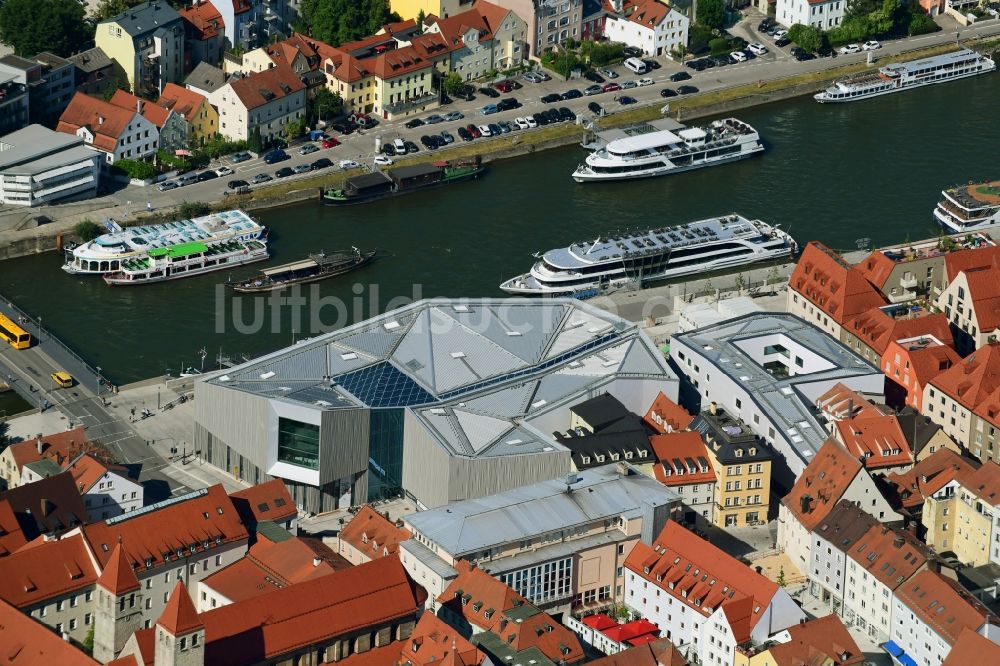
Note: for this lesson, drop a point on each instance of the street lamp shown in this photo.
(98, 381)
(39, 328)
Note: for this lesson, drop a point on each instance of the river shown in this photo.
(835, 173)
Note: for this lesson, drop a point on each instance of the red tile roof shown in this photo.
(26, 642)
(58, 447)
(202, 21)
(925, 359)
(928, 476)
(971, 648)
(877, 439)
(52, 569)
(877, 329)
(118, 576)
(262, 88)
(373, 534)
(841, 402)
(833, 285)
(966, 260)
(399, 62)
(666, 565)
(434, 643)
(974, 379)
(88, 470)
(11, 536)
(150, 111)
(890, 556)
(385, 655)
(660, 652)
(984, 293)
(647, 13)
(683, 455)
(984, 482)
(103, 119)
(815, 641)
(942, 605)
(665, 415)
(876, 268)
(179, 616)
(340, 604)
(199, 520)
(821, 485)
(265, 501)
(181, 101)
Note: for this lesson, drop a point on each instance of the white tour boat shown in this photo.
(904, 75)
(106, 253)
(969, 207)
(185, 260)
(652, 255)
(665, 151)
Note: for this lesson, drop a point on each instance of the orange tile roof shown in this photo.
(11, 536)
(454, 27)
(974, 379)
(817, 640)
(373, 534)
(150, 111)
(286, 50)
(27, 642)
(179, 616)
(541, 631)
(181, 100)
(88, 470)
(890, 556)
(52, 569)
(200, 519)
(434, 643)
(666, 565)
(984, 482)
(965, 260)
(647, 13)
(118, 576)
(58, 447)
(971, 648)
(265, 501)
(340, 604)
(877, 329)
(262, 88)
(926, 360)
(984, 292)
(928, 476)
(841, 402)
(385, 655)
(202, 20)
(877, 439)
(399, 62)
(680, 453)
(876, 268)
(942, 605)
(832, 285)
(665, 415)
(821, 485)
(660, 652)
(103, 119)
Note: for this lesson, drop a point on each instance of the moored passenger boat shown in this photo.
(969, 207)
(186, 260)
(401, 180)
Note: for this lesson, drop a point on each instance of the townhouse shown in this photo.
(704, 600)
(108, 490)
(147, 41)
(929, 475)
(50, 507)
(171, 129)
(57, 447)
(960, 516)
(831, 539)
(665, 415)
(871, 433)
(369, 536)
(115, 132)
(49, 80)
(961, 400)
(878, 563)
(822, 14)
(549, 22)
(263, 102)
(94, 71)
(484, 38)
(742, 464)
(824, 641)
(197, 120)
(929, 613)
(602, 430)
(909, 364)
(205, 79)
(683, 465)
(968, 298)
(651, 25)
(204, 34)
(832, 476)
(871, 332)
(250, 23)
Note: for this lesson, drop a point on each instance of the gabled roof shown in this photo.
(967, 260)
(817, 640)
(683, 454)
(91, 60)
(918, 429)
(58, 447)
(890, 556)
(929, 475)
(50, 505)
(877, 328)
(205, 77)
(833, 285)
(842, 402)
(157, 115)
(373, 534)
(399, 62)
(474, 594)
(876, 268)
(647, 13)
(879, 440)
(202, 21)
(49, 570)
(179, 616)
(665, 415)
(27, 642)
(104, 120)
(118, 576)
(145, 18)
(984, 293)
(844, 525)
(821, 485)
(942, 605)
(11, 536)
(340, 604)
(703, 578)
(262, 88)
(600, 411)
(660, 652)
(984, 482)
(434, 643)
(972, 380)
(923, 356)
(181, 101)
(971, 648)
(88, 470)
(265, 501)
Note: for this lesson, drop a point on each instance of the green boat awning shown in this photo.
(182, 250)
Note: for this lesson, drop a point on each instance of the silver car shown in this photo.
(532, 77)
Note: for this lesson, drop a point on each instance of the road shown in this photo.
(83, 403)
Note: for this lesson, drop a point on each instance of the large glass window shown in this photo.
(385, 454)
(298, 443)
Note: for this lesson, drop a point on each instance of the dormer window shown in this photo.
(659, 578)
(739, 453)
(753, 450)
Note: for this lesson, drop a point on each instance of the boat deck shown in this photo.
(977, 195)
(604, 137)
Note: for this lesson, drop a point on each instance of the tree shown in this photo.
(88, 642)
(119, 82)
(711, 13)
(295, 128)
(87, 230)
(191, 209)
(325, 104)
(108, 8)
(255, 144)
(339, 21)
(808, 37)
(781, 577)
(452, 83)
(421, 17)
(31, 26)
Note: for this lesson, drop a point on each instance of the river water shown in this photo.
(836, 173)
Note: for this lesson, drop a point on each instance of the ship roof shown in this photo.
(367, 180)
(167, 234)
(976, 195)
(182, 250)
(633, 144)
(413, 170)
(294, 266)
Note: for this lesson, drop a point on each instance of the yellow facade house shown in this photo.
(404, 84)
(148, 42)
(959, 516)
(202, 118)
(742, 466)
(410, 9)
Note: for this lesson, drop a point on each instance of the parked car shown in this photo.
(474, 131)
(644, 82)
(414, 123)
(167, 185)
(541, 119)
(301, 168)
(804, 55)
(778, 34)
(466, 92)
(331, 142)
(766, 24)
(572, 93)
(495, 129)
(594, 76)
(595, 108)
(489, 92)
(542, 75)
(321, 163)
(276, 156)
(782, 41)
(447, 137)
(308, 149)
(382, 160)
(611, 87)
(507, 85)
(454, 115)
(686, 90)
(283, 172)
(235, 184)
(433, 119)
(388, 149)
(261, 178)
(488, 109)
(870, 45)
(532, 77)
(207, 175)
(651, 64)
(531, 122)
(411, 147)
(610, 73)
(680, 76)
(464, 134)
(593, 90)
(348, 164)
(505, 126)
(632, 52)
(757, 48)
(555, 115)
(508, 103)
(567, 114)
(241, 156)
(484, 130)
(738, 56)
(668, 92)
(224, 171)
(428, 142)
(628, 85)
(551, 98)
(697, 65)
(625, 99)
(849, 49)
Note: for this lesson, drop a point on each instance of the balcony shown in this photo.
(909, 282)
(409, 103)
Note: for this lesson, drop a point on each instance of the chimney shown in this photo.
(317, 561)
(138, 106)
(39, 445)
(713, 409)
(622, 469)
(850, 407)
(100, 120)
(898, 541)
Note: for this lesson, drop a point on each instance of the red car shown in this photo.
(611, 87)
(330, 142)
(474, 131)
(504, 86)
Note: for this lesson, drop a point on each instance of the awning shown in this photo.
(892, 648)
(906, 660)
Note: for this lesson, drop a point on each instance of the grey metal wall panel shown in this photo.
(425, 464)
(343, 443)
(470, 478)
(237, 418)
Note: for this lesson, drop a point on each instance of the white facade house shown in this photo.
(266, 101)
(831, 540)
(116, 132)
(107, 490)
(650, 25)
(822, 14)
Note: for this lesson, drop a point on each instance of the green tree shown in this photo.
(88, 642)
(108, 8)
(87, 230)
(30, 26)
(325, 104)
(452, 83)
(134, 169)
(711, 13)
(421, 17)
(781, 577)
(339, 21)
(118, 82)
(190, 209)
(808, 37)
(920, 23)
(255, 144)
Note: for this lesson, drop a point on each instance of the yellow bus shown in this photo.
(15, 336)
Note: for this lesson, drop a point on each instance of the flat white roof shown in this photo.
(643, 142)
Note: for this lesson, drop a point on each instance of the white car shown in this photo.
(522, 123)
(485, 130)
(224, 171)
(531, 122)
(738, 56)
(849, 49)
(383, 160)
(644, 82)
(757, 49)
(348, 164)
(780, 33)
(870, 46)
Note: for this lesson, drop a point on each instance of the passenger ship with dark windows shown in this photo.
(653, 255)
(658, 153)
(969, 207)
(905, 75)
